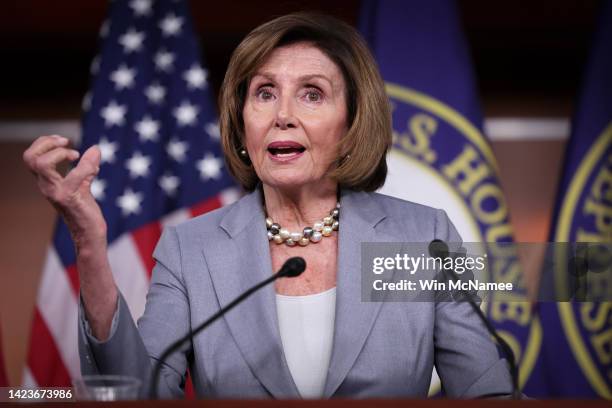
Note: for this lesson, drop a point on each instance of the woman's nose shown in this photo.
(285, 118)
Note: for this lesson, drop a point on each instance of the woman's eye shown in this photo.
(264, 94)
(313, 96)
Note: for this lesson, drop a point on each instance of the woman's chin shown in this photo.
(293, 183)
(287, 184)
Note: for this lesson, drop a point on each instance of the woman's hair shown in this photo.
(362, 152)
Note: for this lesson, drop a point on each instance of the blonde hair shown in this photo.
(362, 161)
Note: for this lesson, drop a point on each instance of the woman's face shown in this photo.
(294, 116)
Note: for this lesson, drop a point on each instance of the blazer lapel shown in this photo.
(240, 262)
(354, 319)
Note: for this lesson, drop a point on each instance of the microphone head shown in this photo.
(293, 267)
(438, 249)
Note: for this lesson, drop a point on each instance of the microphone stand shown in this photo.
(516, 394)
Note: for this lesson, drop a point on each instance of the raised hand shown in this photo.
(70, 194)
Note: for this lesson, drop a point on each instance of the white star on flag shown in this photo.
(97, 188)
(141, 7)
(177, 149)
(155, 93)
(147, 128)
(138, 165)
(169, 183)
(164, 60)
(131, 41)
(186, 114)
(209, 167)
(129, 202)
(113, 114)
(171, 25)
(195, 77)
(213, 130)
(123, 77)
(107, 150)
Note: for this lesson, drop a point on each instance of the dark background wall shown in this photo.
(528, 51)
(528, 57)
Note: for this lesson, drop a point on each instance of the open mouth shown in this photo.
(285, 149)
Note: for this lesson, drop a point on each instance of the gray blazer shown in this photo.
(380, 349)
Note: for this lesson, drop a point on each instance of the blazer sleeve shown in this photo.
(132, 350)
(466, 358)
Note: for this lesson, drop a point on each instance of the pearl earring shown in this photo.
(244, 155)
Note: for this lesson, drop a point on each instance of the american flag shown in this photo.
(151, 113)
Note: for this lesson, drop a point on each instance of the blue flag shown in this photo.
(440, 156)
(151, 112)
(577, 361)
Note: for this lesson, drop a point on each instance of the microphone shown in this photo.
(439, 249)
(292, 268)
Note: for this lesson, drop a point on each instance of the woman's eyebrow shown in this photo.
(304, 78)
(314, 76)
(265, 75)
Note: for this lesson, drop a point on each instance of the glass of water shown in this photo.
(106, 388)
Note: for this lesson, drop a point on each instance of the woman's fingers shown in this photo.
(45, 164)
(86, 169)
(42, 158)
(41, 146)
(69, 194)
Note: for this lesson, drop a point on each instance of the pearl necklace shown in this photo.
(315, 233)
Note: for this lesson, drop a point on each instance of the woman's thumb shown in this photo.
(87, 168)
(92, 157)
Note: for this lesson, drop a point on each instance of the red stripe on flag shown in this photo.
(73, 277)
(146, 238)
(205, 206)
(44, 359)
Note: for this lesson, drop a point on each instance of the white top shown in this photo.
(306, 326)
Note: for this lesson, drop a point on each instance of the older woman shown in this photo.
(305, 127)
